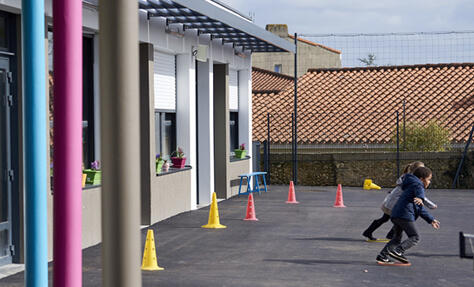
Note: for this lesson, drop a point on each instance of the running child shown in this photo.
(404, 214)
(390, 201)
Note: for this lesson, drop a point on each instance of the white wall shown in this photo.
(245, 110)
(153, 31)
(205, 106)
(96, 99)
(186, 115)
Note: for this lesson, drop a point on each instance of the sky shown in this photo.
(360, 16)
(312, 17)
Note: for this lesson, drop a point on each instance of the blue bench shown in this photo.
(256, 187)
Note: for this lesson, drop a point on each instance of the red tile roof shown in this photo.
(268, 81)
(316, 44)
(358, 105)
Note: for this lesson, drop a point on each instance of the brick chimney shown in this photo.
(278, 29)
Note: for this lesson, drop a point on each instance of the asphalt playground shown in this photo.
(308, 244)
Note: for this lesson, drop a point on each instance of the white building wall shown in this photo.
(96, 99)
(186, 116)
(206, 132)
(245, 111)
(182, 45)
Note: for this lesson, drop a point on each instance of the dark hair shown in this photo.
(422, 172)
(409, 168)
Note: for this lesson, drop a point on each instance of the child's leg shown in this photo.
(375, 224)
(395, 241)
(410, 229)
(390, 233)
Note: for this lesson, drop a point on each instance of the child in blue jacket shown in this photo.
(404, 214)
(390, 201)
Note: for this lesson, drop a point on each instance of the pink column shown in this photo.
(67, 58)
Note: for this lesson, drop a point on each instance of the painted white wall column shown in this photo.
(186, 115)
(245, 111)
(96, 99)
(205, 131)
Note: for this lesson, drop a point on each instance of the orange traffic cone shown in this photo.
(339, 201)
(291, 194)
(250, 209)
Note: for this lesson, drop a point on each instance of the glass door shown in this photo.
(6, 171)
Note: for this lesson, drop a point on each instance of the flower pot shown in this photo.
(94, 177)
(159, 165)
(240, 153)
(166, 166)
(178, 162)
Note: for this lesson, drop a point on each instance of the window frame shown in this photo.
(160, 127)
(277, 68)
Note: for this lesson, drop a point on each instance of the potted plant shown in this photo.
(240, 152)
(166, 166)
(177, 158)
(94, 175)
(159, 163)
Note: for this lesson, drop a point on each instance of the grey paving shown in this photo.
(310, 244)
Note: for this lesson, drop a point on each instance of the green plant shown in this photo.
(179, 153)
(431, 136)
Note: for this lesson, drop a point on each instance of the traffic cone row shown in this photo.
(149, 254)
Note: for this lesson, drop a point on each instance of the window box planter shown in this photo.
(159, 165)
(178, 162)
(94, 177)
(240, 153)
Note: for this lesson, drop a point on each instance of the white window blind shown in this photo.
(233, 90)
(164, 81)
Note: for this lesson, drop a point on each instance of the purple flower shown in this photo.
(95, 165)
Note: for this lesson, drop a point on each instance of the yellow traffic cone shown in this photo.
(368, 184)
(213, 215)
(149, 255)
(374, 186)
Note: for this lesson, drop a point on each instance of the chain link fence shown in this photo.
(327, 157)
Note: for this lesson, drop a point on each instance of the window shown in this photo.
(164, 77)
(234, 131)
(88, 122)
(3, 33)
(233, 90)
(278, 68)
(165, 133)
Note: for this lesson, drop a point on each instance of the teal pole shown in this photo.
(34, 79)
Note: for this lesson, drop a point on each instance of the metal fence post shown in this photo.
(398, 147)
(295, 156)
(268, 148)
(265, 157)
(256, 156)
(463, 157)
(404, 127)
(293, 142)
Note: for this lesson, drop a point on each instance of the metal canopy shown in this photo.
(219, 23)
